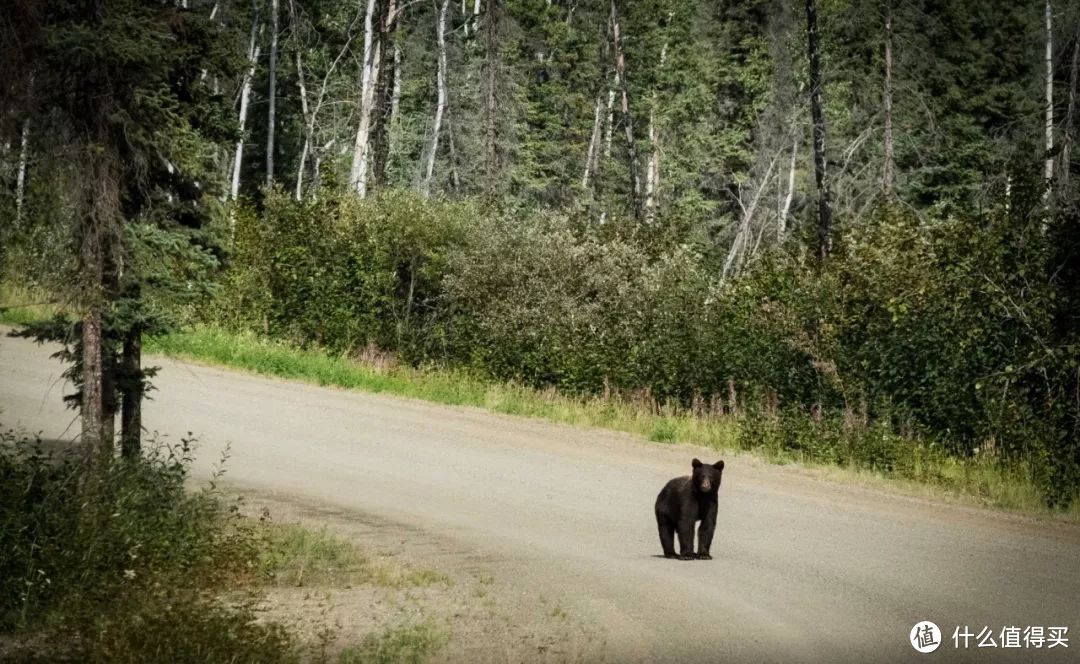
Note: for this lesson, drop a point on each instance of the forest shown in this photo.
(849, 224)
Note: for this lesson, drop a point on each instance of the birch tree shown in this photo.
(245, 98)
(491, 55)
(440, 104)
(628, 122)
(312, 105)
(358, 173)
(652, 170)
(785, 208)
(272, 93)
(383, 92)
(20, 170)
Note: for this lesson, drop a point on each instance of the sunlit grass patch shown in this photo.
(297, 556)
(403, 645)
(20, 305)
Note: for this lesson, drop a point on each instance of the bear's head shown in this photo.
(707, 478)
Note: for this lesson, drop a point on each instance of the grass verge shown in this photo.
(297, 556)
(838, 449)
(401, 645)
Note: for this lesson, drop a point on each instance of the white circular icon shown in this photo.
(925, 637)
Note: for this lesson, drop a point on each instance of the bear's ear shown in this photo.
(696, 463)
(719, 465)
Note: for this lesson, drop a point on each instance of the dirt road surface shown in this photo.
(805, 570)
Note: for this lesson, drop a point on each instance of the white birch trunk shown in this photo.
(652, 170)
(358, 173)
(742, 236)
(245, 98)
(782, 217)
(395, 96)
(305, 108)
(610, 127)
(440, 107)
(594, 142)
(628, 125)
(308, 128)
(272, 106)
(20, 175)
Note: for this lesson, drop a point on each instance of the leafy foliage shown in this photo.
(122, 562)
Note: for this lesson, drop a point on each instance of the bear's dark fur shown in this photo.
(684, 501)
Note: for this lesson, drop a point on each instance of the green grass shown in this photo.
(296, 556)
(21, 306)
(402, 645)
(450, 387)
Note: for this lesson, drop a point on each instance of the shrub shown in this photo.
(122, 561)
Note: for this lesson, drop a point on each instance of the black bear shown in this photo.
(684, 501)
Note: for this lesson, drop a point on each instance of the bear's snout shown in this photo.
(706, 484)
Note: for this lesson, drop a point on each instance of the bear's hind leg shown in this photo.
(667, 535)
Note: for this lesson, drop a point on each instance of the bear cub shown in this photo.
(684, 501)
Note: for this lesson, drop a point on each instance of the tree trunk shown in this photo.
(358, 173)
(272, 94)
(20, 174)
(782, 215)
(245, 98)
(1048, 172)
(652, 171)
(824, 234)
(491, 162)
(91, 407)
(395, 97)
(101, 198)
(594, 142)
(440, 107)
(131, 415)
(110, 282)
(383, 94)
(737, 253)
(305, 108)
(455, 180)
(887, 167)
(628, 122)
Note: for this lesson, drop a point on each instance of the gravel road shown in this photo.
(804, 569)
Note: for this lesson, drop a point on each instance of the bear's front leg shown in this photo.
(705, 533)
(686, 539)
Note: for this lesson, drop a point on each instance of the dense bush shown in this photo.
(958, 332)
(122, 563)
(343, 272)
